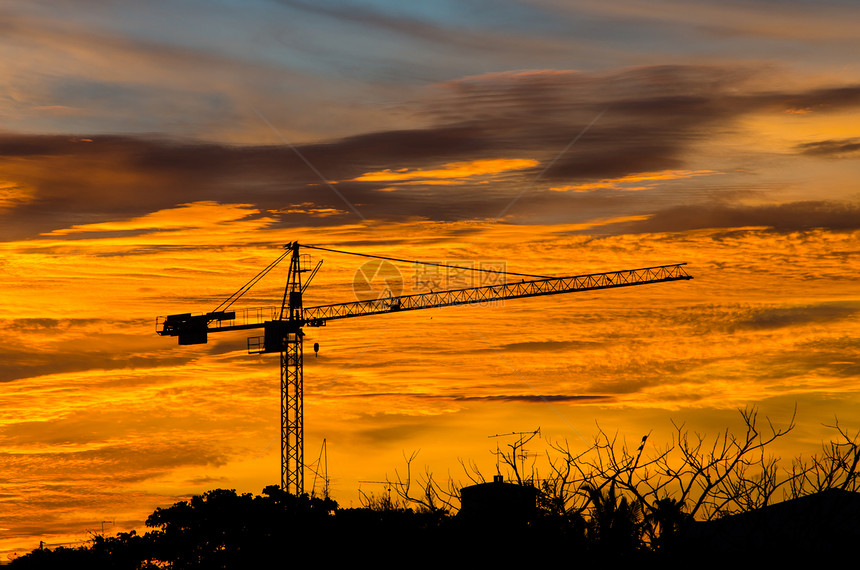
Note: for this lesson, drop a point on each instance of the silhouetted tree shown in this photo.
(614, 524)
(605, 501)
(664, 522)
(693, 478)
(729, 474)
(221, 529)
(430, 498)
(125, 551)
(836, 467)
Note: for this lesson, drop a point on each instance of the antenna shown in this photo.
(516, 451)
(322, 461)
(386, 503)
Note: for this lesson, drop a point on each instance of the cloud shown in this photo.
(409, 27)
(12, 194)
(198, 214)
(308, 209)
(536, 399)
(505, 126)
(449, 173)
(32, 347)
(651, 115)
(780, 317)
(123, 462)
(639, 181)
(21, 363)
(397, 432)
(45, 324)
(834, 148)
(802, 20)
(113, 75)
(788, 217)
(548, 346)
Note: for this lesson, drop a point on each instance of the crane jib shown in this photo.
(314, 316)
(194, 329)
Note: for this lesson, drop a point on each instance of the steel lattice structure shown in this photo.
(283, 329)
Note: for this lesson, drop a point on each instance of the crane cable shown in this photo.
(425, 262)
(253, 281)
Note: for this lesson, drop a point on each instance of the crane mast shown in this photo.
(282, 333)
(292, 380)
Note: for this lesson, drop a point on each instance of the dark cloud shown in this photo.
(43, 324)
(535, 399)
(835, 148)
(122, 462)
(835, 356)
(650, 118)
(19, 363)
(824, 99)
(780, 317)
(789, 217)
(548, 346)
(655, 110)
(392, 434)
(804, 364)
(834, 345)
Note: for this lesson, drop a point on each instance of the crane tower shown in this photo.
(282, 326)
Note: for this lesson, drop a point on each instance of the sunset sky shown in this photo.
(156, 155)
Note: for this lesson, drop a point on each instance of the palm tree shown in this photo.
(664, 522)
(615, 525)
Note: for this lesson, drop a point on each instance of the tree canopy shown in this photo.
(609, 500)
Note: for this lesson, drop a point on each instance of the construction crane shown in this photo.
(282, 326)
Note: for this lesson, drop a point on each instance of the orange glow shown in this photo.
(782, 131)
(126, 413)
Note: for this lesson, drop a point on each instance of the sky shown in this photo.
(154, 156)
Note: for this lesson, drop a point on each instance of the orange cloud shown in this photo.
(452, 170)
(195, 215)
(622, 182)
(12, 194)
(308, 208)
